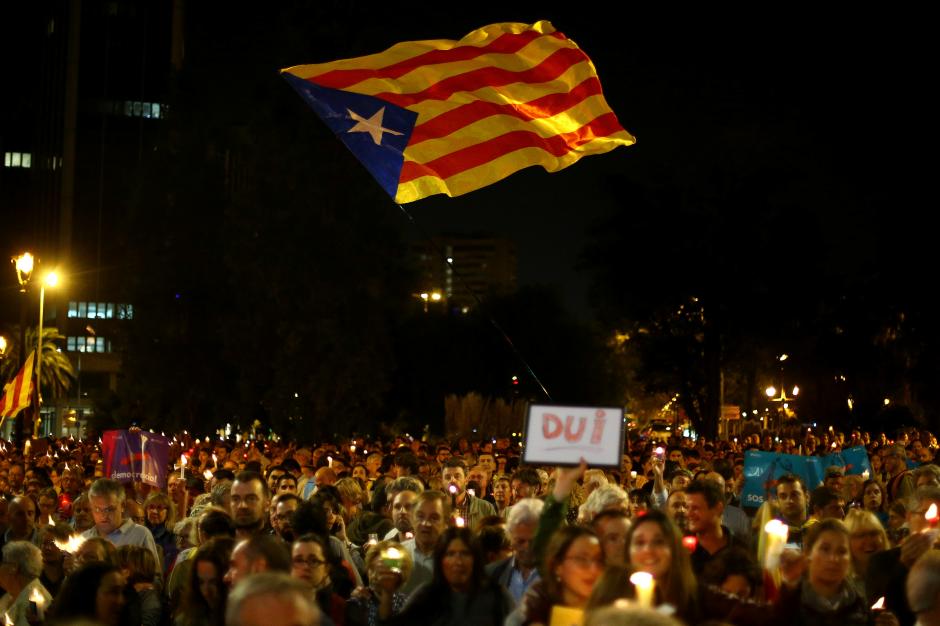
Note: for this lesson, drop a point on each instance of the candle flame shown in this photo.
(393, 553)
(8, 620)
(51, 521)
(641, 579)
(459, 522)
(72, 545)
(409, 535)
(777, 528)
(452, 489)
(207, 475)
(931, 514)
(880, 604)
(36, 597)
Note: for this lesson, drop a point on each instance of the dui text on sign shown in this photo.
(562, 435)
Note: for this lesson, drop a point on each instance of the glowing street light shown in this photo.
(771, 391)
(51, 280)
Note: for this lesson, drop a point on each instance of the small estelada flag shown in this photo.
(443, 116)
(17, 393)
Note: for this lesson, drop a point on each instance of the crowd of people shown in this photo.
(447, 532)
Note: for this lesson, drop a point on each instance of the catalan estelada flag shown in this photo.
(442, 116)
(17, 393)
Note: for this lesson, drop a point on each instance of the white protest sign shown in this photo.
(561, 435)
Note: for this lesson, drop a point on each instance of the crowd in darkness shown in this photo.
(446, 532)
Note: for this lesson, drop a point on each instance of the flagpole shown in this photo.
(476, 298)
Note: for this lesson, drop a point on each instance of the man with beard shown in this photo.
(249, 503)
(284, 506)
(429, 519)
(471, 508)
(402, 493)
(706, 506)
(677, 509)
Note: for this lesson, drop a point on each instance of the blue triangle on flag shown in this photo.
(351, 116)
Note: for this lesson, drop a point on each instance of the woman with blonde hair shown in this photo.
(866, 537)
(160, 517)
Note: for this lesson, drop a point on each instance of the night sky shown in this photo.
(838, 98)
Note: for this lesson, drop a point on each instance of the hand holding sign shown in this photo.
(565, 434)
(565, 480)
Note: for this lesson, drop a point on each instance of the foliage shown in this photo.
(56, 370)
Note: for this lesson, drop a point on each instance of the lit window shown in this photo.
(100, 344)
(73, 309)
(128, 108)
(102, 308)
(109, 312)
(89, 344)
(82, 309)
(137, 109)
(156, 109)
(27, 159)
(16, 160)
(70, 343)
(92, 310)
(6, 159)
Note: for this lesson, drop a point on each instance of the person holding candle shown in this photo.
(19, 577)
(654, 545)
(469, 507)
(429, 520)
(388, 565)
(887, 571)
(817, 590)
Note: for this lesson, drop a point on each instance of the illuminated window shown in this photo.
(70, 344)
(17, 159)
(82, 309)
(73, 309)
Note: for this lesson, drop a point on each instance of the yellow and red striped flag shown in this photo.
(443, 116)
(17, 393)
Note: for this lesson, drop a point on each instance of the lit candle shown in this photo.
(644, 585)
(472, 492)
(26, 447)
(215, 460)
(931, 516)
(352, 449)
(207, 475)
(633, 474)
(392, 558)
(40, 603)
(777, 533)
(9, 620)
(453, 490)
(329, 461)
(879, 605)
(865, 475)
(72, 545)
(182, 465)
(409, 535)
(690, 542)
(459, 522)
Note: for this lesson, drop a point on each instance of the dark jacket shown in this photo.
(887, 576)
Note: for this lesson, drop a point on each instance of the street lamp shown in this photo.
(51, 279)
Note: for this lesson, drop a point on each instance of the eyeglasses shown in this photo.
(309, 561)
(585, 561)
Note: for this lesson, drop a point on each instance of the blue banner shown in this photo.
(762, 469)
(854, 460)
(135, 456)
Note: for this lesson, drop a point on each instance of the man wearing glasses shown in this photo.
(107, 507)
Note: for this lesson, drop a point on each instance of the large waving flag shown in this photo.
(442, 116)
(18, 392)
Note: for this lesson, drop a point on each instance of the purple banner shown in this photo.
(135, 456)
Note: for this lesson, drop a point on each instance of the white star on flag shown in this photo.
(373, 125)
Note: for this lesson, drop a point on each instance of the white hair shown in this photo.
(605, 497)
(25, 556)
(525, 511)
(280, 585)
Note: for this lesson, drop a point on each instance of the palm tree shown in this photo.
(56, 370)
